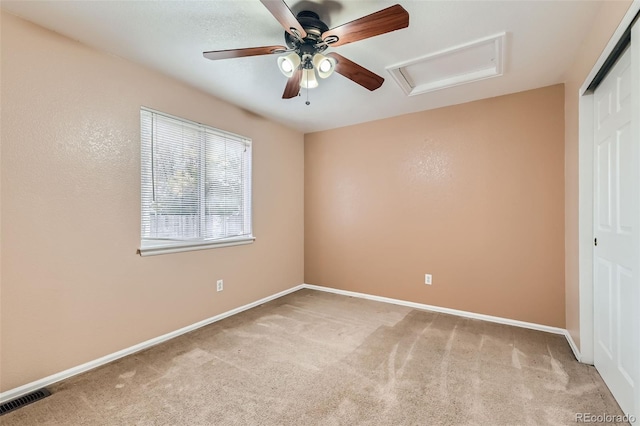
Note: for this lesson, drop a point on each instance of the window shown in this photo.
(196, 186)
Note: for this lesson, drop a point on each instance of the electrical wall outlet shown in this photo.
(427, 279)
(220, 285)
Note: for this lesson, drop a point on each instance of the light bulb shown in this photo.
(288, 63)
(324, 64)
(287, 66)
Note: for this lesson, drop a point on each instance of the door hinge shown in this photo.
(595, 241)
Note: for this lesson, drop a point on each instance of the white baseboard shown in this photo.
(574, 347)
(54, 378)
(473, 315)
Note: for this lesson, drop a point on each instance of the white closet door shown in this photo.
(617, 230)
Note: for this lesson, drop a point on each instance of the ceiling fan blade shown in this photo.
(283, 14)
(238, 53)
(356, 73)
(292, 88)
(381, 22)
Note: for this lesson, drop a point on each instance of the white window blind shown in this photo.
(196, 185)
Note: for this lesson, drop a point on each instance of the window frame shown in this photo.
(149, 247)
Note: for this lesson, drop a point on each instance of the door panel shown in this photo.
(603, 181)
(603, 320)
(624, 187)
(625, 311)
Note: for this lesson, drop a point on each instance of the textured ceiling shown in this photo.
(170, 36)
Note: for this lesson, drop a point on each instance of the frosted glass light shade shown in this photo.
(309, 80)
(288, 63)
(324, 65)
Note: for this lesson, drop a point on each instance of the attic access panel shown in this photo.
(466, 63)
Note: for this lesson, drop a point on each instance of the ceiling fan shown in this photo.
(307, 37)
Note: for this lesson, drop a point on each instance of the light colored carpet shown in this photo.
(319, 358)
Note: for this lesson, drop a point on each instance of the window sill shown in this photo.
(152, 248)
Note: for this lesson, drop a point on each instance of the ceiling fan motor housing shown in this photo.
(314, 27)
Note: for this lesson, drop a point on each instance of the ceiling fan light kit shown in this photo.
(307, 37)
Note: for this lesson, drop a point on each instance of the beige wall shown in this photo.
(73, 288)
(472, 194)
(607, 20)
